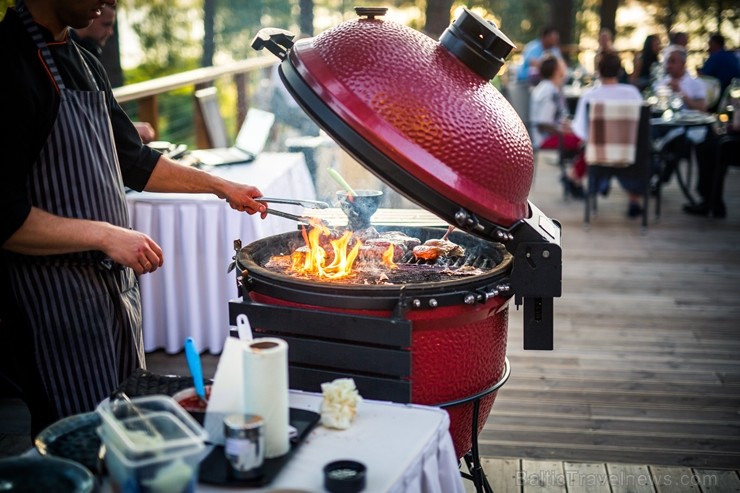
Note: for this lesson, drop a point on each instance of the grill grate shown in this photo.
(476, 261)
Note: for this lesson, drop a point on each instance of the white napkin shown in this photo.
(227, 396)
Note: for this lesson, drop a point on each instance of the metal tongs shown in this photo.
(308, 204)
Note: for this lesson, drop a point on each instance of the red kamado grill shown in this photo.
(423, 117)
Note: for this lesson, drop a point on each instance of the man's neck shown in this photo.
(609, 81)
(43, 15)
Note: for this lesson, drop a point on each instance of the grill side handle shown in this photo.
(536, 276)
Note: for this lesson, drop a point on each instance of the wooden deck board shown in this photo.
(645, 367)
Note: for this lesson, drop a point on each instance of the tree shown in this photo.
(209, 43)
(437, 15)
(608, 14)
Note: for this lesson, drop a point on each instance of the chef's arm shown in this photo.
(43, 233)
(171, 176)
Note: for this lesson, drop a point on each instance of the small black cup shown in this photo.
(344, 476)
(360, 207)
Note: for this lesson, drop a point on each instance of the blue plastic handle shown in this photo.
(193, 357)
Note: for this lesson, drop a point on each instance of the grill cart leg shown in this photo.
(472, 458)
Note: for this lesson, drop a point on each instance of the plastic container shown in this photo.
(152, 445)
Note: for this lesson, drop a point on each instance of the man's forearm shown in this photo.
(43, 233)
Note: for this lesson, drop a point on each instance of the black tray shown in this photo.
(215, 469)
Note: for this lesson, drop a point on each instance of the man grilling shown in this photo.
(70, 317)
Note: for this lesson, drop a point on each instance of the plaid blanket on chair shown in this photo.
(612, 133)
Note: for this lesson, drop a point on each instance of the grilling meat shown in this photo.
(434, 249)
(374, 248)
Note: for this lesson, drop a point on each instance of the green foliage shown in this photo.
(4, 4)
(165, 29)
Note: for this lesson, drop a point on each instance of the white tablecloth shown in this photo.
(405, 447)
(189, 295)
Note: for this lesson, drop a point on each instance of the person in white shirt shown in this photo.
(692, 90)
(550, 123)
(693, 93)
(609, 89)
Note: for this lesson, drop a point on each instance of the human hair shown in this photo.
(648, 55)
(610, 65)
(678, 49)
(548, 66)
(678, 38)
(717, 39)
(548, 30)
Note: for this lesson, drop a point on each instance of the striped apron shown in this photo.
(83, 310)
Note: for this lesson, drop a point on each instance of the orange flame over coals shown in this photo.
(338, 262)
(313, 258)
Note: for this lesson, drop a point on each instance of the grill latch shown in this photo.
(536, 275)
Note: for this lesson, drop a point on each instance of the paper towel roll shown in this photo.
(265, 370)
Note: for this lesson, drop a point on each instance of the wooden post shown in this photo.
(242, 98)
(149, 112)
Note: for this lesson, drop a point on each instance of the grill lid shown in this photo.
(420, 114)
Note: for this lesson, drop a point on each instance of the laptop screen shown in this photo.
(255, 130)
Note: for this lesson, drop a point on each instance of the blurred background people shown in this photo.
(646, 62)
(551, 124)
(606, 45)
(610, 89)
(692, 93)
(534, 51)
(690, 89)
(93, 39)
(722, 64)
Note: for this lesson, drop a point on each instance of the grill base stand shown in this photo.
(472, 457)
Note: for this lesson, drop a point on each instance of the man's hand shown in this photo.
(146, 131)
(242, 198)
(133, 249)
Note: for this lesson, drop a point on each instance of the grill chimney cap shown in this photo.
(478, 43)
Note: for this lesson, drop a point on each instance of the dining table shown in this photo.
(188, 296)
(689, 124)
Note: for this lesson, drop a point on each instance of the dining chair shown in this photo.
(714, 90)
(618, 145)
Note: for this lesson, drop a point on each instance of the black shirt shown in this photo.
(29, 104)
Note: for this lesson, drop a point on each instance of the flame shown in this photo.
(388, 257)
(312, 258)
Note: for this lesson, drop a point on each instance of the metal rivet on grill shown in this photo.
(416, 303)
(433, 303)
(469, 299)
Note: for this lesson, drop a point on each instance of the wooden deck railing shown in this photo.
(145, 93)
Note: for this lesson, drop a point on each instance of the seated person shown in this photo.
(610, 66)
(692, 92)
(711, 179)
(550, 124)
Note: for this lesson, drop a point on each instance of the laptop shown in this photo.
(250, 141)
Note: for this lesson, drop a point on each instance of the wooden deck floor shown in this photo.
(646, 366)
